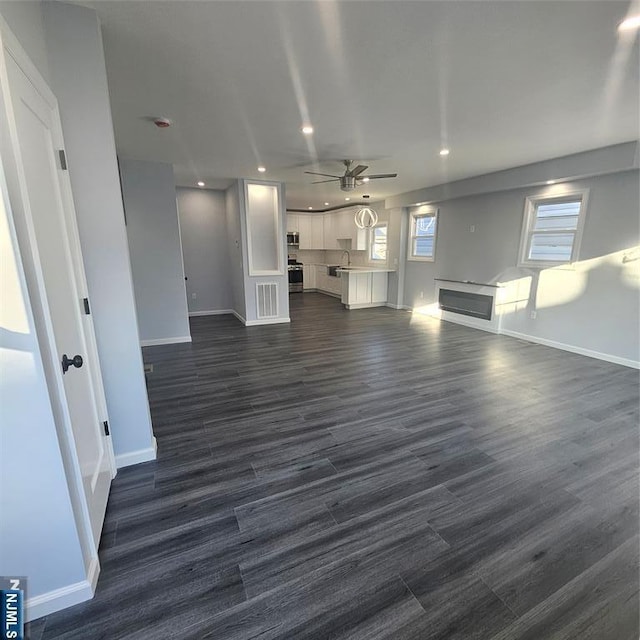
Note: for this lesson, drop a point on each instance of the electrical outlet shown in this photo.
(533, 315)
(194, 296)
(472, 228)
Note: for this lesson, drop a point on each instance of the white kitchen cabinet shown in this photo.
(331, 222)
(309, 272)
(317, 232)
(304, 228)
(327, 283)
(361, 289)
(292, 222)
(359, 238)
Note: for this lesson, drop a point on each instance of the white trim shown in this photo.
(211, 312)
(241, 318)
(255, 323)
(625, 362)
(467, 321)
(423, 211)
(557, 192)
(371, 236)
(93, 573)
(365, 305)
(399, 307)
(136, 457)
(157, 341)
(278, 216)
(58, 599)
(329, 293)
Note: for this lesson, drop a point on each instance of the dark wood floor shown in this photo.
(372, 475)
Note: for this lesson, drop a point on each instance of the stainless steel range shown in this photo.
(296, 276)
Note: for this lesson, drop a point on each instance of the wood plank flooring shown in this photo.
(371, 475)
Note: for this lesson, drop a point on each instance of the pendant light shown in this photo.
(366, 218)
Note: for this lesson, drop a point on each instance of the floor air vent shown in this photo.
(267, 294)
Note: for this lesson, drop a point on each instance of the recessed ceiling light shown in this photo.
(629, 23)
(262, 169)
(310, 208)
(365, 179)
(347, 198)
(444, 152)
(326, 204)
(201, 184)
(551, 181)
(307, 129)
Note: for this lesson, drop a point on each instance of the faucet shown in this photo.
(348, 257)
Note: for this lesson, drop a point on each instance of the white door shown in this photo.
(40, 192)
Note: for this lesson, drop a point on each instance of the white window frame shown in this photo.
(422, 212)
(530, 209)
(373, 260)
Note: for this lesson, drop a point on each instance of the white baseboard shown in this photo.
(157, 341)
(365, 305)
(136, 457)
(255, 323)
(399, 307)
(212, 312)
(93, 573)
(467, 321)
(625, 362)
(58, 599)
(607, 357)
(329, 293)
(237, 315)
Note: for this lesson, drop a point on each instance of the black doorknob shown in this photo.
(76, 362)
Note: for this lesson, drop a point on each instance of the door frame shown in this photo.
(20, 212)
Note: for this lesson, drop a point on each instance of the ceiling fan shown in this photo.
(352, 178)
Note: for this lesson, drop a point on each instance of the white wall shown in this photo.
(38, 533)
(203, 229)
(26, 22)
(593, 306)
(74, 42)
(149, 198)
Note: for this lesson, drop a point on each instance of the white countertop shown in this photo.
(365, 270)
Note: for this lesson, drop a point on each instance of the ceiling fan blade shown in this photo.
(358, 170)
(381, 175)
(322, 181)
(328, 175)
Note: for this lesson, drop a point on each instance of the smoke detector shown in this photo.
(162, 123)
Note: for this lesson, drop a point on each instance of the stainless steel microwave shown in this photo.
(293, 238)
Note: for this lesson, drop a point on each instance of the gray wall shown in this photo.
(74, 43)
(593, 306)
(203, 228)
(234, 243)
(156, 254)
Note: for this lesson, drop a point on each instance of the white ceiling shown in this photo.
(387, 83)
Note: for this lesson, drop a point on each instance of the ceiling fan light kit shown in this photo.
(366, 218)
(352, 178)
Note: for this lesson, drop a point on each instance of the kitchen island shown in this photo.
(364, 287)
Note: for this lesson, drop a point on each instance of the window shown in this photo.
(378, 244)
(552, 229)
(422, 238)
